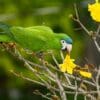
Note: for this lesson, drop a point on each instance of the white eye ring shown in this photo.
(62, 41)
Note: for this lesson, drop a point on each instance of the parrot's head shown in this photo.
(66, 43)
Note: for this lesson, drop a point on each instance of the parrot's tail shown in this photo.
(5, 33)
(4, 28)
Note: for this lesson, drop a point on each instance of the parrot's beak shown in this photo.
(67, 47)
(64, 48)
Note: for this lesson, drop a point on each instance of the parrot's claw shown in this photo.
(40, 54)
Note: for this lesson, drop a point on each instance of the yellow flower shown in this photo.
(95, 11)
(85, 74)
(67, 65)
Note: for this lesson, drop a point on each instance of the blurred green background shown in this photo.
(55, 14)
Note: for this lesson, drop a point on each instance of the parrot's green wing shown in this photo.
(44, 29)
(29, 38)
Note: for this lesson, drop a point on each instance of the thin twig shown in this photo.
(76, 93)
(41, 94)
(26, 78)
(79, 79)
(85, 98)
(67, 79)
(77, 20)
(76, 11)
(97, 45)
(97, 83)
(62, 56)
(80, 92)
(56, 62)
(62, 91)
(98, 30)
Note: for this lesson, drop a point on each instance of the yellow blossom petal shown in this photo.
(63, 67)
(94, 10)
(68, 65)
(85, 74)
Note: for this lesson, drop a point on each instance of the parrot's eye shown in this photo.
(62, 41)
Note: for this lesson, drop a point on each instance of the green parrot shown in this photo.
(36, 38)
